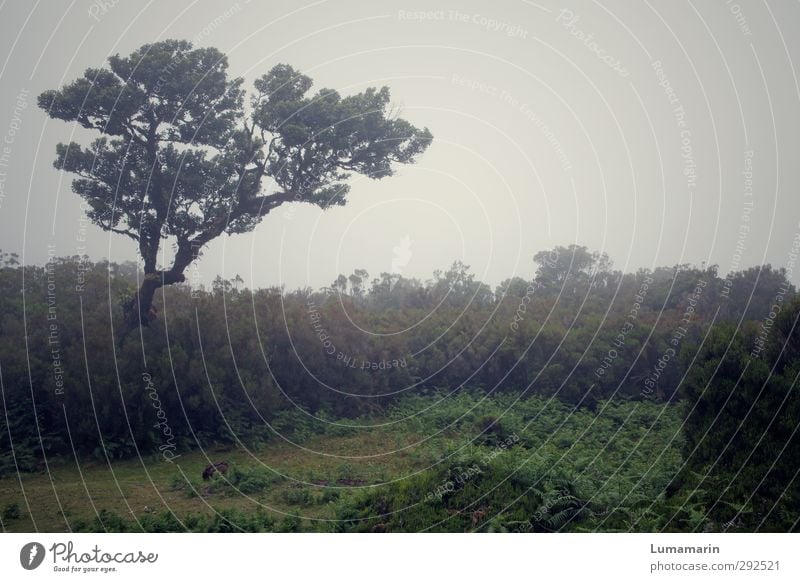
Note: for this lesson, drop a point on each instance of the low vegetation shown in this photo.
(583, 400)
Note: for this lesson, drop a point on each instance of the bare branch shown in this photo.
(127, 232)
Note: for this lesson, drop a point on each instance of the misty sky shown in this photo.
(626, 127)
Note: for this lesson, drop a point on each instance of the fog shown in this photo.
(659, 133)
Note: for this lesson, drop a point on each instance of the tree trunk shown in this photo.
(139, 310)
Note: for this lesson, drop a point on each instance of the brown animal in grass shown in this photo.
(478, 515)
(209, 471)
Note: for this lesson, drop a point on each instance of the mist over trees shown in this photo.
(235, 365)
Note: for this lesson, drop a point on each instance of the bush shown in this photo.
(223, 521)
(300, 497)
(12, 511)
(290, 524)
(329, 496)
(253, 480)
(238, 481)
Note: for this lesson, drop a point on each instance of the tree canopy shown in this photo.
(183, 155)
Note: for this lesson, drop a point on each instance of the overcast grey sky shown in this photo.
(623, 126)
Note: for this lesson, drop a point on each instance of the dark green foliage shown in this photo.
(252, 480)
(465, 495)
(329, 496)
(742, 413)
(560, 447)
(289, 524)
(297, 496)
(549, 475)
(221, 521)
(297, 424)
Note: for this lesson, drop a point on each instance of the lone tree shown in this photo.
(182, 158)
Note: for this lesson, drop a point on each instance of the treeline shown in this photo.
(225, 363)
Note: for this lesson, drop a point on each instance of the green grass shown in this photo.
(140, 487)
(616, 462)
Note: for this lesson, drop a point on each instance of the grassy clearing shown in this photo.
(139, 487)
(614, 462)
